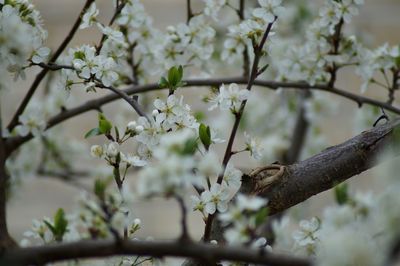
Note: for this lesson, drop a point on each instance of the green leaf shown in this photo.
(163, 83)
(180, 73)
(93, 132)
(173, 76)
(261, 216)
(105, 126)
(342, 193)
(50, 226)
(190, 147)
(180, 84)
(199, 115)
(100, 188)
(205, 135)
(60, 224)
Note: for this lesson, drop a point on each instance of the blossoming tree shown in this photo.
(163, 148)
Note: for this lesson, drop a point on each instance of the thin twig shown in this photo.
(184, 234)
(189, 11)
(132, 102)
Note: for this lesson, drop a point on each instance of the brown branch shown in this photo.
(238, 115)
(323, 171)
(245, 55)
(131, 101)
(6, 241)
(189, 11)
(14, 142)
(299, 131)
(105, 248)
(42, 74)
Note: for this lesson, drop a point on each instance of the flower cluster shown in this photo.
(229, 98)
(188, 43)
(325, 47)
(243, 218)
(88, 64)
(22, 38)
(382, 60)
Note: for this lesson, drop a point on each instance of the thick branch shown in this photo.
(6, 241)
(104, 248)
(323, 171)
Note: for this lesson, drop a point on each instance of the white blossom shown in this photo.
(40, 55)
(269, 10)
(253, 146)
(216, 198)
(232, 177)
(230, 98)
(90, 16)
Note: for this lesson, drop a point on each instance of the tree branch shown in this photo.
(104, 248)
(238, 115)
(323, 171)
(14, 142)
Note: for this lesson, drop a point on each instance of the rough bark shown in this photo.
(323, 171)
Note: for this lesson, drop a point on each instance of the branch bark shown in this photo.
(104, 248)
(323, 171)
(6, 241)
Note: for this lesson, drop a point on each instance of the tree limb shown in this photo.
(104, 248)
(14, 142)
(323, 171)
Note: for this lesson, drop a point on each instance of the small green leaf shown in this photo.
(190, 147)
(50, 226)
(93, 132)
(199, 115)
(163, 83)
(60, 224)
(180, 73)
(180, 84)
(342, 193)
(205, 135)
(261, 216)
(100, 188)
(173, 76)
(105, 126)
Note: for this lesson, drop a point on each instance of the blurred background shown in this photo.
(379, 22)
